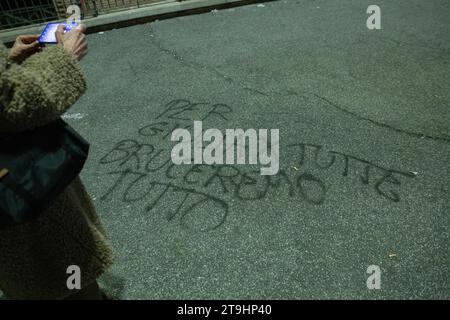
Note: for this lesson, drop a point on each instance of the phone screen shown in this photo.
(48, 35)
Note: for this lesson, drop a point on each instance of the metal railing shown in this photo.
(18, 13)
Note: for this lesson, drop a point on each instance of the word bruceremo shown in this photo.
(141, 172)
(213, 153)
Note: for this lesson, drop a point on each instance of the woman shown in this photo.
(36, 87)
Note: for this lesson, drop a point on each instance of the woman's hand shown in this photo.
(24, 47)
(74, 41)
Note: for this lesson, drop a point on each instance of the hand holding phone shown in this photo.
(24, 47)
(48, 35)
(74, 42)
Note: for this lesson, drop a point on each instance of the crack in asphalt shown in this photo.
(198, 66)
(287, 92)
(381, 124)
(400, 43)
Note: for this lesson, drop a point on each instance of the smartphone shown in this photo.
(48, 35)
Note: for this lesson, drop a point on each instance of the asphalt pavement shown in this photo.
(364, 122)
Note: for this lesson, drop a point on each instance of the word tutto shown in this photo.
(213, 153)
(200, 197)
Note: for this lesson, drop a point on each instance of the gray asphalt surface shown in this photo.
(352, 105)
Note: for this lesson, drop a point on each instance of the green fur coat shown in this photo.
(34, 256)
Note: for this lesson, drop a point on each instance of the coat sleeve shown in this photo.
(39, 90)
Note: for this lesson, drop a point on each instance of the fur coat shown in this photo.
(34, 256)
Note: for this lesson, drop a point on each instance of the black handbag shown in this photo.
(35, 166)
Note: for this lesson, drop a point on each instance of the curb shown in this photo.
(125, 18)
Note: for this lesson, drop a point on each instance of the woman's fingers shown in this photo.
(25, 46)
(59, 33)
(81, 28)
(74, 41)
(33, 45)
(28, 39)
(81, 50)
